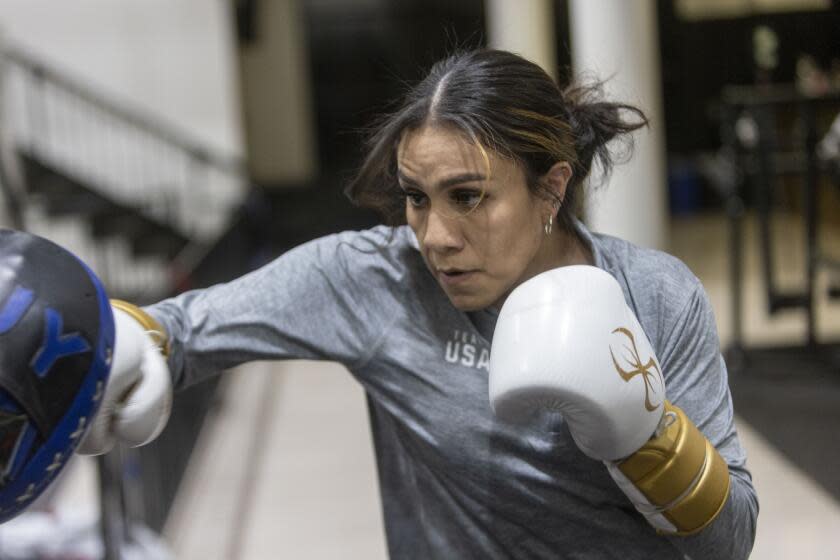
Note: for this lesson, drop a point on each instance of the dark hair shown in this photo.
(509, 105)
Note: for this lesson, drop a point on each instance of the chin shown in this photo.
(471, 302)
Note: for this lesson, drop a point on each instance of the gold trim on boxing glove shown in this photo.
(149, 323)
(681, 473)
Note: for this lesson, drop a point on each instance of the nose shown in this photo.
(442, 233)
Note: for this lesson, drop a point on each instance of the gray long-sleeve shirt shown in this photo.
(455, 482)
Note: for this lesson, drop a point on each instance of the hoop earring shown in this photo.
(548, 225)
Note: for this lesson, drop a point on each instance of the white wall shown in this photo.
(175, 60)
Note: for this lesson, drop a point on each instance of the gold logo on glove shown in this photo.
(637, 368)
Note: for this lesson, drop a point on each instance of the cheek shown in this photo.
(413, 220)
(510, 244)
(418, 227)
(514, 252)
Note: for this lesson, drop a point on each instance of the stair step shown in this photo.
(147, 237)
(156, 244)
(64, 196)
(70, 204)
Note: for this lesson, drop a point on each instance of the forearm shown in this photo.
(209, 331)
(685, 489)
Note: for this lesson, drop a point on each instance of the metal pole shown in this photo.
(110, 502)
(735, 213)
(810, 197)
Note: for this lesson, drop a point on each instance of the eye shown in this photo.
(415, 198)
(467, 198)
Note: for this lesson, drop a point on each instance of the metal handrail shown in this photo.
(136, 160)
(133, 116)
(773, 94)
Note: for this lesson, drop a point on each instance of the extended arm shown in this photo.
(302, 305)
(310, 303)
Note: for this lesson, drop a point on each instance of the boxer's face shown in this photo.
(479, 228)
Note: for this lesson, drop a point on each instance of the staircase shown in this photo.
(134, 197)
(152, 211)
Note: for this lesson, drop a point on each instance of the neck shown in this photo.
(561, 248)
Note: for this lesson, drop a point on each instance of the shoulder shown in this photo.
(648, 273)
(380, 241)
(382, 259)
(379, 248)
(659, 287)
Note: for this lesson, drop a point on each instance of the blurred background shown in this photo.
(174, 145)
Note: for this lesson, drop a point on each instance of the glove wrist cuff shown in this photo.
(151, 325)
(678, 480)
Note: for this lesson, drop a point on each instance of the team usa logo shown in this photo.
(468, 350)
(649, 370)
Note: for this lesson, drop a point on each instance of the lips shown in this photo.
(453, 276)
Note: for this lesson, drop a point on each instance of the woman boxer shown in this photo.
(481, 174)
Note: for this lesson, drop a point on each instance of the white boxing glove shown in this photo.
(567, 342)
(556, 343)
(138, 396)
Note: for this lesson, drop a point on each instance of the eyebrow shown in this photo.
(456, 180)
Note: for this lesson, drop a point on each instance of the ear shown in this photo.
(557, 178)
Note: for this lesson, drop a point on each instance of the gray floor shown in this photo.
(311, 491)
